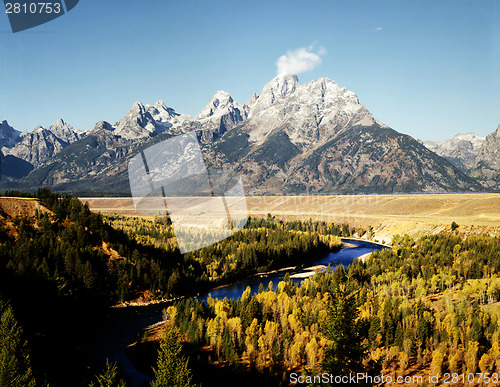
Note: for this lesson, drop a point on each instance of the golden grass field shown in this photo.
(387, 214)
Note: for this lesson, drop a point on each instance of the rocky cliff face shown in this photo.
(487, 166)
(460, 150)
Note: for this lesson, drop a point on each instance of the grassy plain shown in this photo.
(414, 214)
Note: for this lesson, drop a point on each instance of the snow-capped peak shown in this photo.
(162, 113)
(471, 140)
(136, 124)
(217, 105)
(137, 107)
(148, 120)
(310, 112)
(65, 131)
(461, 150)
(160, 105)
(278, 87)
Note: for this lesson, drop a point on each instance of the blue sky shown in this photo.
(426, 68)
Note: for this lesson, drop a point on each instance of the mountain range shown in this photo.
(291, 138)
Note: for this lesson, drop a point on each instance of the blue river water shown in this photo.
(344, 257)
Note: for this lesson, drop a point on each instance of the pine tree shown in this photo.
(15, 367)
(344, 329)
(109, 378)
(171, 368)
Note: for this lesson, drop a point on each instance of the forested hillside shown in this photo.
(66, 265)
(429, 305)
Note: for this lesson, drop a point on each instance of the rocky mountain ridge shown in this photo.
(461, 150)
(291, 138)
(41, 144)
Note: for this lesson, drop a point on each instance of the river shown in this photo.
(123, 324)
(341, 257)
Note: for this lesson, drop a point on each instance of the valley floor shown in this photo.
(415, 214)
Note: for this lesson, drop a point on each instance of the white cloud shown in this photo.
(378, 29)
(300, 60)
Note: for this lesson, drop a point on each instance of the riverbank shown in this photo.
(140, 303)
(365, 257)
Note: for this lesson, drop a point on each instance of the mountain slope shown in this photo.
(378, 159)
(487, 166)
(317, 137)
(461, 150)
(367, 159)
(91, 162)
(12, 167)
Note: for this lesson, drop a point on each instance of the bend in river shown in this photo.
(123, 324)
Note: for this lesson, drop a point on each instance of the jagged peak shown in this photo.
(102, 125)
(160, 104)
(279, 87)
(282, 85)
(221, 96)
(8, 135)
(219, 103)
(137, 106)
(253, 100)
(162, 107)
